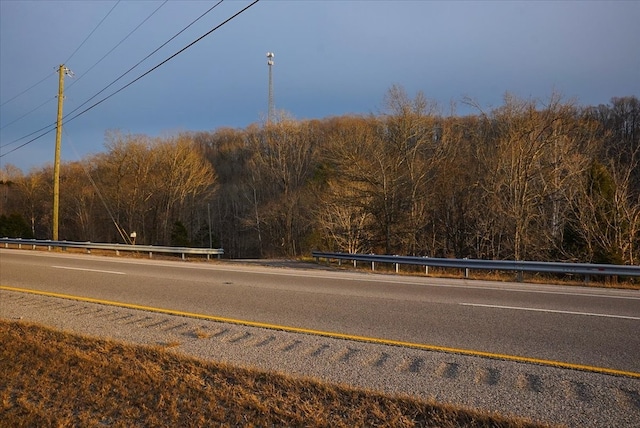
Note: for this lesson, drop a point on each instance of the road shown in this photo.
(574, 325)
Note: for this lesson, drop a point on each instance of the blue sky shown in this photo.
(331, 58)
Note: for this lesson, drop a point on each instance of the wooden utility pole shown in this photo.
(56, 163)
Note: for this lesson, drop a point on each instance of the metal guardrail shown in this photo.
(113, 247)
(586, 269)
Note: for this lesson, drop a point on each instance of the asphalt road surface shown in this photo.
(576, 325)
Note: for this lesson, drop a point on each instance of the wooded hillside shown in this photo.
(528, 180)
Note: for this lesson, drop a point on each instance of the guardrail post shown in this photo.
(183, 256)
(355, 263)
(150, 254)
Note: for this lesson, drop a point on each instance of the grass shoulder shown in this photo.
(51, 378)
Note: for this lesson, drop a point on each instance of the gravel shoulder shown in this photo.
(540, 393)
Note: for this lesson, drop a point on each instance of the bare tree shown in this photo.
(527, 180)
(607, 214)
(124, 176)
(529, 160)
(412, 129)
(147, 182)
(35, 190)
(343, 218)
(78, 201)
(284, 158)
(391, 162)
(181, 171)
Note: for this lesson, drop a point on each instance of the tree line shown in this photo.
(528, 180)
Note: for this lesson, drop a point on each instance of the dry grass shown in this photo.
(201, 334)
(49, 378)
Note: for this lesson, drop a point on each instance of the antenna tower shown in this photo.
(271, 109)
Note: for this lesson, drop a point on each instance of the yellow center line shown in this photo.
(335, 335)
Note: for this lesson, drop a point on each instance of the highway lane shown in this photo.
(578, 325)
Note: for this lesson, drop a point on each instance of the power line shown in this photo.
(28, 89)
(30, 141)
(93, 31)
(90, 68)
(28, 113)
(36, 84)
(29, 135)
(108, 86)
(163, 62)
(118, 44)
(145, 58)
(136, 79)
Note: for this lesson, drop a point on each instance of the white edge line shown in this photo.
(89, 270)
(551, 311)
